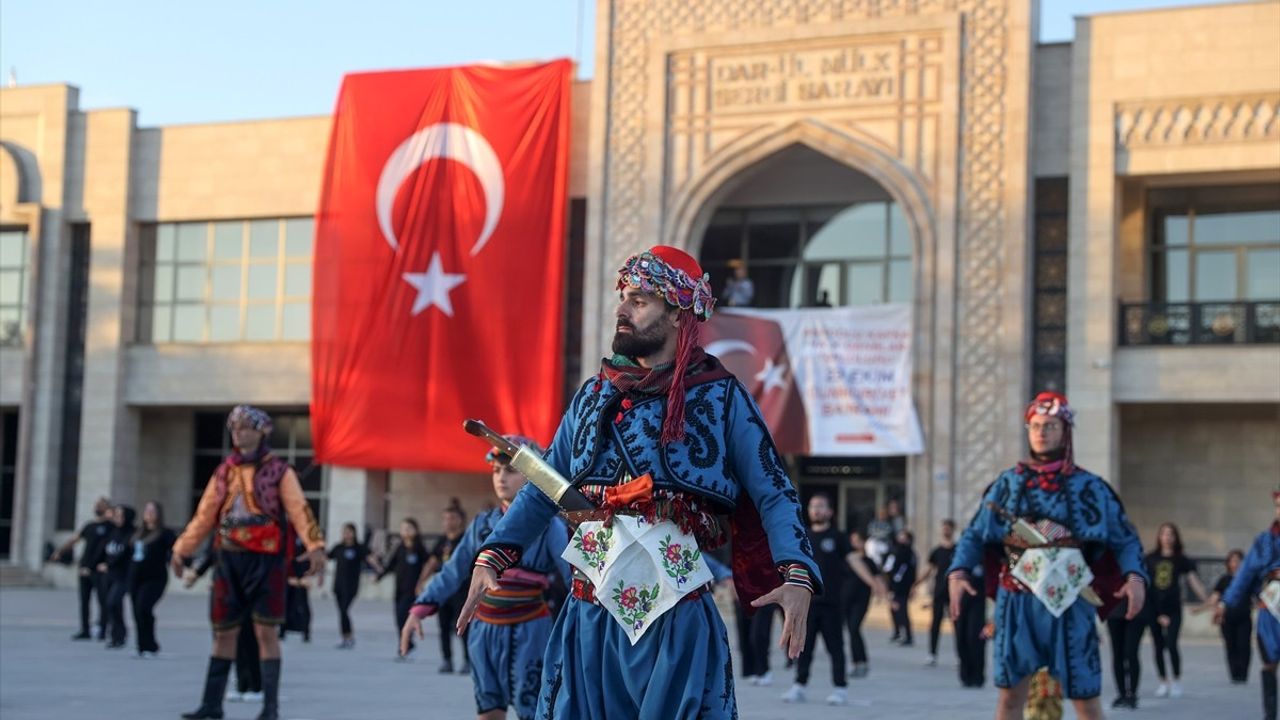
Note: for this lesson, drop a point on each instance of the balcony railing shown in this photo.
(1203, 323)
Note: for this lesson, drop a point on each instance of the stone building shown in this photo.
(1100, 216)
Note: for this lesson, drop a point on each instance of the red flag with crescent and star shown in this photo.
(439, 264)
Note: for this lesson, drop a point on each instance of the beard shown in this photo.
(639, 342)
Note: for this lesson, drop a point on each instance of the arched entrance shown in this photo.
(810, 230)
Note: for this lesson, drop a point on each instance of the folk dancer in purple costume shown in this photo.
(662, 441)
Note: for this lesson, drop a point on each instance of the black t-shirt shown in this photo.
(95, 536)
(350, 562)
(150, 556)
(940, 559)
(900, 566)
(1166, 581)
(1233, 613)
(855, 590)
(830, 550)
(407, 564)
(117, 552)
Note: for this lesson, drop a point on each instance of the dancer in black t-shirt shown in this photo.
(409, 562)
(149, 574)
(351, 557)
(1168, 565)
(94, 534)
(858, 589)
(1237, 622)
(114, 563)
(834, 556)
(939, 561)
(900, 566)
(454, 522)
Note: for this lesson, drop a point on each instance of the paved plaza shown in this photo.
(45, 676)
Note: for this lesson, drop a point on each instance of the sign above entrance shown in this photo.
(829, 382)
(851, 72)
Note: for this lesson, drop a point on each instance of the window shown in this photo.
(1216, 244)
(815, 256)
(290, 439)
(226, 281)
(14, 254)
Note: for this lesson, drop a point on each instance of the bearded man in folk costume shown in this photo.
(1259, 577)
(662, 441)
(1055, 544)
(252, 500)
(513, 622)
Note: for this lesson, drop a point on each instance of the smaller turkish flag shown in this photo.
(755, 351)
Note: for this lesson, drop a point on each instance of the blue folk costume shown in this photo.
(1077, 509)
(683, 443)
(1261, 566)
(506, 643)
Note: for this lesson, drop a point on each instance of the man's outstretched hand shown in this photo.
(794, 601)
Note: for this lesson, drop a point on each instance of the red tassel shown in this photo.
(673, 425)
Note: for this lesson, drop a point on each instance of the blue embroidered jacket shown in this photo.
(1085, 504)
(1263, 557)
(727, 456)
(541, 556)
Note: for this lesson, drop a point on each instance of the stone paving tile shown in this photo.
(45, 676)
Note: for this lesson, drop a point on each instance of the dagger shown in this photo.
(530, 464)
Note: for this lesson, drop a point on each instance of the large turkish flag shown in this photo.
(439, 263)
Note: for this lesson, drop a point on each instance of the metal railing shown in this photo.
(1202, 323)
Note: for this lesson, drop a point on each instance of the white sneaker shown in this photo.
(932, 661)
(252, 697)
(1175, 690)
(1162, 690)
(233, 696)
(764, 680)
(794, 695)
(839, 696)
(751, 679)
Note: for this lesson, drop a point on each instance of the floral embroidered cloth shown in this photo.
(640, 569)
(1270, 597)
(1055, 575)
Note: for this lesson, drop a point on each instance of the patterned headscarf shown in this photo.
(674, 275)
(253, 417)
(1051, 404)
(494, 455)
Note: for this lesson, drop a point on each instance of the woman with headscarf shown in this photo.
(115, 564)
(149, 574)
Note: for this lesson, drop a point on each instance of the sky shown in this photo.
(187, 62)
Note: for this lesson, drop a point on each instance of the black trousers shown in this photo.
(742, 623)
(248, 660)
(1126, 636)
(940, 610)
(901, 616)
(93, 584)
(344, 599)
(447, 616)
(855, 612)
(144, 594)
(117, 589)
(401, 610)
(1236, 632)
(826, 619)
(1166, 640)
(971, 649)
(756, 655)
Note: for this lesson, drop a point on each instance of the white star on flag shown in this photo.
(773, 376)
(433, 287)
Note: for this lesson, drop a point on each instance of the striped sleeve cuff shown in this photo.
(796, 574)
(497, 559)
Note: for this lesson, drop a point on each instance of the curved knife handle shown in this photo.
(484, 432)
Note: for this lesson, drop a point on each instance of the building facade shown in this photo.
(1100, 217)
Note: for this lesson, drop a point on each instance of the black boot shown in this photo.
(270, 690)
(1269, 694)
(215, 685)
